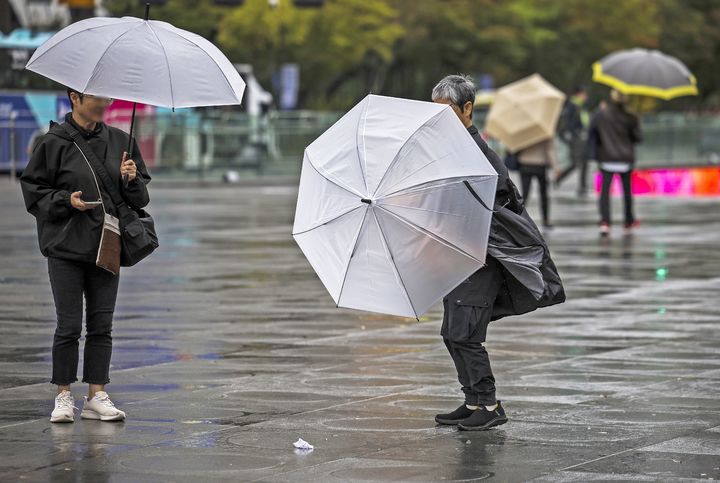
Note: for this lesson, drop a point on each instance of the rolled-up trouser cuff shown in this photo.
(480, 399)
(54, 381)
(87, 381)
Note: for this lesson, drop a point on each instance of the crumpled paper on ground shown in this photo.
(303, 445)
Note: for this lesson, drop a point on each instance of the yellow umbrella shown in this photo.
(525, 112)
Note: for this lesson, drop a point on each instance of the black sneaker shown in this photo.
(482, 419)
(454, 417)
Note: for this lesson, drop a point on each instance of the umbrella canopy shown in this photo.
(145, 61)
(525, 112)
(646, 73)
(393, 208)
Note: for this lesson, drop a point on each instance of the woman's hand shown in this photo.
(77, 202)
(128, 168)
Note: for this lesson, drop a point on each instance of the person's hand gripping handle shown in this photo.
(128, 170)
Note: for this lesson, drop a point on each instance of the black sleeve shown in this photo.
(42, 200)
(506, 191)
(564, 129)
(136, 192)
(592, 140)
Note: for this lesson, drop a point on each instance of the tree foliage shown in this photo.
(402, 47)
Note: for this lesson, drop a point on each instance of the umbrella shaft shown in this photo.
(132, 118)
(132, 126)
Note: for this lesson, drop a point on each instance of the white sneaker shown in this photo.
(102, 408)
(64, 408)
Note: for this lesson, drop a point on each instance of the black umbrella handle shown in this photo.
(130, 142)
(476, 196)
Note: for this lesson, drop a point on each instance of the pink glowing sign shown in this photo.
(118, 115)
(670, 182)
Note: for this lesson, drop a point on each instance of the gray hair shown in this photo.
(457, 89)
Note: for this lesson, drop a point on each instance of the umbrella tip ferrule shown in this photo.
(366, 200)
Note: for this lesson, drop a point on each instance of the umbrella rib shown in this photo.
(76, 33)
(423, 167)
(206, 53)
(167, 63)
(419, 186)
(433, 119)
(347, 269)
(333, 181)
(429, 234)
(363, 118)
(422, 209)
(94, 71)
(392, 264)
(318, 225)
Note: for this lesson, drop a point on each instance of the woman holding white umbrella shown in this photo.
(86, 182)
(60, 190)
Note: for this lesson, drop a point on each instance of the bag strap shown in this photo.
(96, 165)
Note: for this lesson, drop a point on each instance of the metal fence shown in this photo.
(206, 143)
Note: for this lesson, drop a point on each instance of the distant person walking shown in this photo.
(613, 134)
(572, 130)
(68, 202)
(534, 162)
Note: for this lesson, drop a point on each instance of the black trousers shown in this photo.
(468, 309)
(70, 280)
(527, 173)
(472, 364)
(576, 148)
(626, 178)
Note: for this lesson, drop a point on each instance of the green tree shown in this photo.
(690, 30)
(562, 38)
(197, 16)
(452, 36)
(348, 48)
(345, 43)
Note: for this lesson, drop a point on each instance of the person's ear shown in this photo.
(468, 109)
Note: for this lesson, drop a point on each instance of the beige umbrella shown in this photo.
(525, 112)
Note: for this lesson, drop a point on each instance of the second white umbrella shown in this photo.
(394, 206)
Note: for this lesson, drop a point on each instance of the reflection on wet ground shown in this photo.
(228, 349)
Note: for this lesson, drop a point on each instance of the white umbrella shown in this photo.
(145, 61)
(138, 60)
(394, 206)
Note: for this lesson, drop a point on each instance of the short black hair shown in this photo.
(579, 89)
(69, 91)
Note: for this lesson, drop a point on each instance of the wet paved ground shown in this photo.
(227, 349)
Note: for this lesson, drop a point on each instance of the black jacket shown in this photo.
(613, 134)
(570, 125)
(525, 272)
(56, 169)
(505, 192)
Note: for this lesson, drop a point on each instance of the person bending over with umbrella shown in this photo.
(518, 277)
(61, 191)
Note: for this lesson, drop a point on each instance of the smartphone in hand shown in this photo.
(92, 204)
